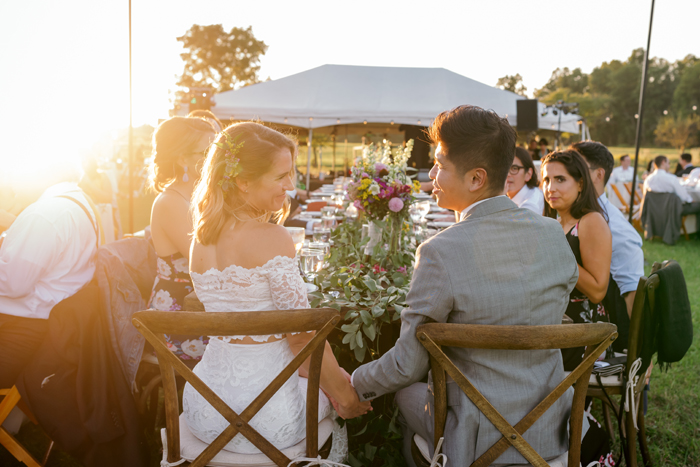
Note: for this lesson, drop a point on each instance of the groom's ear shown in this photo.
(476, 179)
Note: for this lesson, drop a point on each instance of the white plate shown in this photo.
(422, 195)
(311, 287)
(438, 215)
(310, 214)
(441, 225)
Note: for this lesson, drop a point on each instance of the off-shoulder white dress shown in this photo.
(238, 373)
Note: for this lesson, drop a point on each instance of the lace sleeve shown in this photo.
(286, 285)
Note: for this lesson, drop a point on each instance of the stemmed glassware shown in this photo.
(312, 261)
(423, 208)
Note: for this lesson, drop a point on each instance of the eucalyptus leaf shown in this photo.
(350, 327)
(358, 338)
(359, 353)
(366, 317)
(370, 331)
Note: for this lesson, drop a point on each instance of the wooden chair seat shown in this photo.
(191, 447)
(434, 336)
(422, 446)
(153, 324)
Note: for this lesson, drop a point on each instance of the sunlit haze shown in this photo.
(65, 64)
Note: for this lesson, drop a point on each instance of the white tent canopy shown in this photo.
(340, 94)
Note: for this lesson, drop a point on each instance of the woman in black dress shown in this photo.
(569, 193)
(571, 199)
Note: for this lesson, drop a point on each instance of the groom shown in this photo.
(499, 265)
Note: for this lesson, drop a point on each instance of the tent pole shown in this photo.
(346, 151)
(131, 139)
(308, 162)
(333, 156)
(640, 112)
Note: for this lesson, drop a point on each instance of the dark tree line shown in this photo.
(608, 98)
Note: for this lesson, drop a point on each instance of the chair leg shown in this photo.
(608, 420)
(685, 232)
(16, 449)
(642, 436)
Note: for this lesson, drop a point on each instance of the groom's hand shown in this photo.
(353, 408)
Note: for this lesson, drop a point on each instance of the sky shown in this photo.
(64, 64)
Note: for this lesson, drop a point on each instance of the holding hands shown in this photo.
(350, 407)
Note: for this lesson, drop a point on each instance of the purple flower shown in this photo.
(395, 204)
(358, 205)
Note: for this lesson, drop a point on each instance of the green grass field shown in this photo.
(673, 418)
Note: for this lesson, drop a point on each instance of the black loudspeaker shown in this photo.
(527, 115)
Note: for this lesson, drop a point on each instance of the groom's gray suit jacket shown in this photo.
(500, 265)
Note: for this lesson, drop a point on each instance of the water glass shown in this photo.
(311, 261)
(323, 246)
(321, 232)
(328, 212)
(298, 234)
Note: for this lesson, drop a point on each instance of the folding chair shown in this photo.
(12, 399)
(153, 324)
(597, 337)
(614, 385)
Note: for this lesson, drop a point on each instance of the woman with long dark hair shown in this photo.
(521, 183)
(571, 198)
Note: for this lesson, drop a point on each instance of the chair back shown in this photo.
(153, 324)
(596, 337)
(661, 216)
(645, 292)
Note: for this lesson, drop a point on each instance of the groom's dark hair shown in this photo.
(472, 137)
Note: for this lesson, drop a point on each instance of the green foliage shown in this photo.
(678, 132)
(512, 83)
(371, 292)
(608, 97)
(219, 59)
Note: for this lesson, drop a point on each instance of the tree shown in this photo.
(687, 93)
(679, 132)
(218, 59)
(576, 81)
(512, 83)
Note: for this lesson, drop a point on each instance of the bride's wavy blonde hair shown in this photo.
(212, 207)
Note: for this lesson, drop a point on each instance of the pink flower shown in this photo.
(395, 204)
(402, 269)
(381, 169)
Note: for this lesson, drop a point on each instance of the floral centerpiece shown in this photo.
(382, 190)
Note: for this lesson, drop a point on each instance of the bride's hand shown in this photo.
(353, 409)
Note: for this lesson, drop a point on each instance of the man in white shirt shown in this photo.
(623, 173)
(47, 256)
(627, 261)
(660, 181)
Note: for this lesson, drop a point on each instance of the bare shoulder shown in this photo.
(167, 204)
(276, 239)
(593, 223)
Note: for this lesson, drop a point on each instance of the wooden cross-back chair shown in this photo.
(596, 337)
(153, 324)
(614, 385)
(10, 398)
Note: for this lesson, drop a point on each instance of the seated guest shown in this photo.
(623, 173)
(543, 150)
(47, 256)
(521, 183)
(663, 182)
(179, 146)
(498, 265)
(627, 260)
(570, 194)
(685, 165)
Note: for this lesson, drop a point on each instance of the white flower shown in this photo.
(162, 301)
(374, 188)
(193, 347)
(181, 265)
(163, 268)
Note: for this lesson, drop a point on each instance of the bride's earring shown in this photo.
(185, 177)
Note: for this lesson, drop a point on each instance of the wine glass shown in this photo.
(312, 261)
(298, 234)
(415, 213)
(423, 208)
(321, 232)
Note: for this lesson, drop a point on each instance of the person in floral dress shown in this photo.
(179, 147)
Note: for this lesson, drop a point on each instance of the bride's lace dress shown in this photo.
(238, 373)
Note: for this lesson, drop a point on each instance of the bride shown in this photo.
(241, 262)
